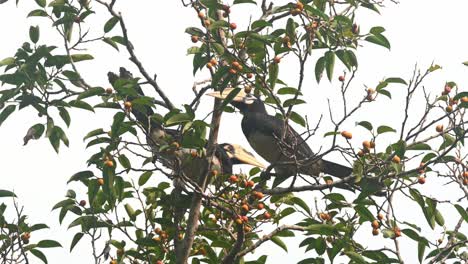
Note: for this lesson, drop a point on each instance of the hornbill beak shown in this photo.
(242, 156)
(241, 97)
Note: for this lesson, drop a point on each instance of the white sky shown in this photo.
(420, 31)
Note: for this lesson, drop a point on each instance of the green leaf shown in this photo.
(462, 212)
(81, 57)
(81, 104)
(178, 119)
(319, 68)
(244, 2)
(57, 3)
(434, 68)
(209, 3)
(384, 129)
(110, 24)
(111, 42)
(291, 102)
(330, 63)
(63, 203)
(37, 13)
(261, 24)
(289, 90)
(419, 146)
(273, 70)
(91, 92)
(125, 162)
(65, 116)
(357, 258)
(396, 80)
(366, 125)
(48, 244)
(322, 229)
(130, 212)
(428, 157)
(377, 30)
(412, 234)
(34, 34)
(379, 40)
(80, 176)
(7, 61)
(320, 245)
(298, 119)
(39, 227)
(75, 240)
(439, 218)
(6, 112)
(301, 203)
(364, 213)
(385, 92)
(144, 177)
(421, 249)
(93, 133)
(41, 3)
(417, 197)
(5, 193)
(39, 255)
(279, 242)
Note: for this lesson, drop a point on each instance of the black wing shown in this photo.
(273, 128)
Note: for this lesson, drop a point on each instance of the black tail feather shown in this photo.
(335, 169)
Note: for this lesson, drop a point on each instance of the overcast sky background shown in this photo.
(420, 31)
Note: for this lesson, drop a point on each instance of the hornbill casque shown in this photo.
(226, 155)
(265, 134)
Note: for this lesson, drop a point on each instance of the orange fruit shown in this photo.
(380, 216)
(128, 105)
(201, 15)
(109, 163)
(421, 180)
(366, 144)
(300, 6)
(233, 178)
(277, 59)
(259, 195)
(347, 134)
(100, 181)
(396, 159)
(194, 39)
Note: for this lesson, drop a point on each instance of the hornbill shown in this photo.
(182, 159)
(277, 143)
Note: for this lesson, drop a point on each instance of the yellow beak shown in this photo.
(241, 154)
(222, 95)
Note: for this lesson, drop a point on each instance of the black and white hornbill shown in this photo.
(277, 143)
(226, 155)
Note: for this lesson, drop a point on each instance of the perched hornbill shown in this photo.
(226, 155)
(277, 143)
